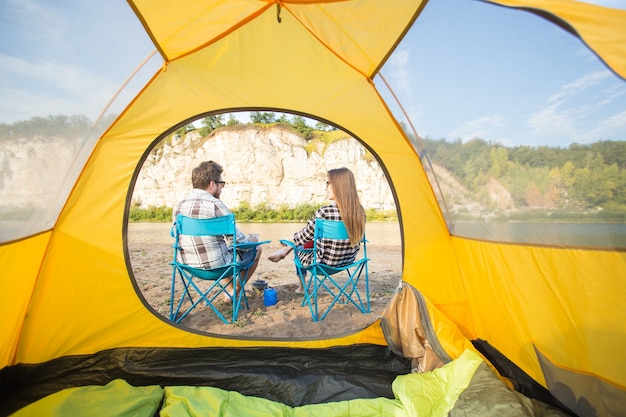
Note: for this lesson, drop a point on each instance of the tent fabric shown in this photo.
(585, 395)
(69, 291)
(514, 375)
(552, 307)
(343, 27)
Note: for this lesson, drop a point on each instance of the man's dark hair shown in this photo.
(203, 174)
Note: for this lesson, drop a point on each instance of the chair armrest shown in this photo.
(248, 245)
(296, 249)
(287, 243)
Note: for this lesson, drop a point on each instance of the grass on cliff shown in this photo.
(260, 213)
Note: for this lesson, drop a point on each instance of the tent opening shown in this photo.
(275, 166)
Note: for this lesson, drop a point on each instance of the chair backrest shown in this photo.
(216, 226)
(331, 229)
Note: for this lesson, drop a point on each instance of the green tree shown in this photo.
(613, 152)
(591, 188)
(182, 131)
(522, 155)
(620, 190)
(299, 123)
(262, 117)
(210, 123)
(499, 161)
(567, 174)
(75, 126)
(232, 121)
(323, 126)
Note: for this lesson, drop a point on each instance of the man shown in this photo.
(203, 202)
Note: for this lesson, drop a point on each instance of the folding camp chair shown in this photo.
(219, 277)
(343, 288)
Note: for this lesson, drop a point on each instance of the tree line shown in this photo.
(259, 213)
(69, 127)
(297, 122)
(50, 126)
(575, 177)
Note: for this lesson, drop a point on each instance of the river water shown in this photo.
(559, 234)
(388, 233)
(377, 233)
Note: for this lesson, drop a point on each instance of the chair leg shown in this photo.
(177, 273)
(306, 291)
(172, 295)
(349, 290)
(236, 297)
(188, 285)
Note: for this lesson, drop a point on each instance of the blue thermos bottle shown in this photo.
(269, 297)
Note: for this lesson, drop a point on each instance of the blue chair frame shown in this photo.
(221, 276)
(322, 277)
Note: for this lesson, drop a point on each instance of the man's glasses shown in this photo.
(220, 182)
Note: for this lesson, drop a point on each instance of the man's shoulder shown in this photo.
(197, 194)
(197, 203)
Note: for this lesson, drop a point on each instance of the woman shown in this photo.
(345, 206)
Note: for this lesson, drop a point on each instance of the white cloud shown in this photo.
(63, 77)
(477, 128)
(44, 88)
(555, 126)
(607, 129)
(550, 122)
(579, 112)
(400, 74)
(37, 21)
(579, 85)
(400, 80)
(612, 93)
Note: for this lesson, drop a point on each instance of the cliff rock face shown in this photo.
(270, 165)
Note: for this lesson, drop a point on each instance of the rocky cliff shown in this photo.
(262, 164)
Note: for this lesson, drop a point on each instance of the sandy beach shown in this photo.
(150, 254)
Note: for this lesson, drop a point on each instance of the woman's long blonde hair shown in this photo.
(347, 200)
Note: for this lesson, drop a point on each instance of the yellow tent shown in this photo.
(68, 293)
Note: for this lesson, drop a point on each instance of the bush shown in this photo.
(264, 213)
(151, 214)
(260, 213)
(381, 215)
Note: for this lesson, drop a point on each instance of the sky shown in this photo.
(465, 70)
(46, 69)
(505, 76)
